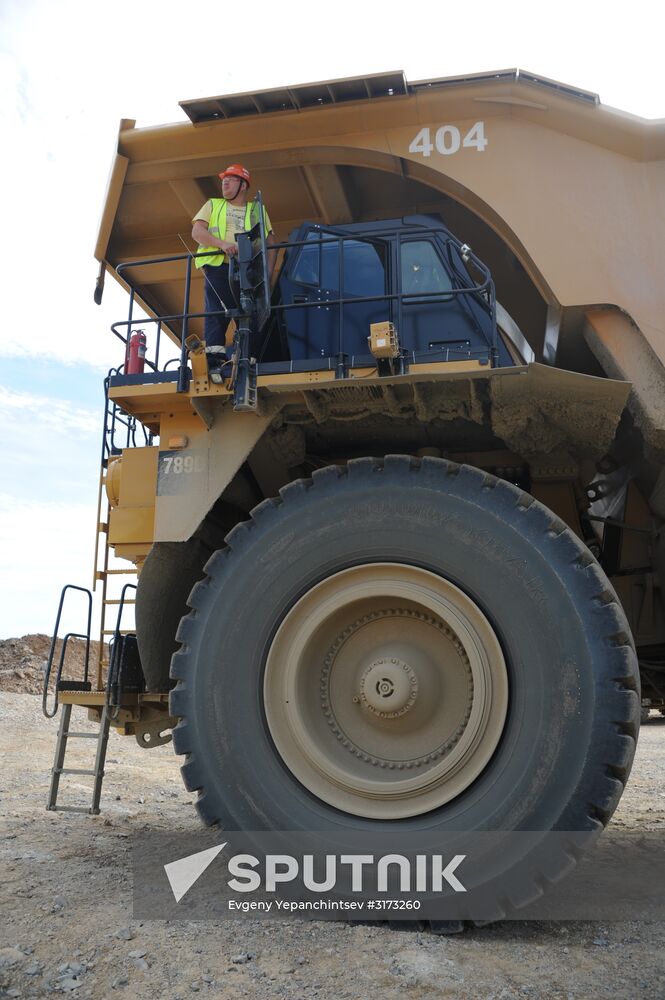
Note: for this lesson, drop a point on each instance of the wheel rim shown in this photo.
(385, 690)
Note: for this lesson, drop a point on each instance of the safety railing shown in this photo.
(119, 429)
(114, 679)
(481, 291)
(160, 322)
(85, 636)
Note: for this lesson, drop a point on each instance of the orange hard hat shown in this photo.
(236, 170)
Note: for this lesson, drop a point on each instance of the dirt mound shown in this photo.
(22, 662)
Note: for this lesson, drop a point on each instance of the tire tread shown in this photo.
(526, 515)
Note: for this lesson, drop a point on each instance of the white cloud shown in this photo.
(43, 546)
(42, 410)
(52, 447)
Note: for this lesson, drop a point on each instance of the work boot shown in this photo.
(217, 359)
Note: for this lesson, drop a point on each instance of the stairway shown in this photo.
(58, 769)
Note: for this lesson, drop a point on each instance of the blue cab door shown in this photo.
(324, 272)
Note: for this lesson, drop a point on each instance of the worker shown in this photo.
(214, 228)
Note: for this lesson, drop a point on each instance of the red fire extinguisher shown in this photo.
(136, 354)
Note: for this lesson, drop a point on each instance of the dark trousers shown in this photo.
(216, 283)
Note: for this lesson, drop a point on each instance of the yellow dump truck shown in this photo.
(401, 561)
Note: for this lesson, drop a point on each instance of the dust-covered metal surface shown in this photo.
(546, 417)
(534, 410)
(544, 411)
(624, 353)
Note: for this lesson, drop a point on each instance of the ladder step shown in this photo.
(117, 601)
(86, 736)
(72, 770)
(71, 809)
(121, 631)
(102, 526)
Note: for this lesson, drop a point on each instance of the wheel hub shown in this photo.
(388, 687)
(410, 697)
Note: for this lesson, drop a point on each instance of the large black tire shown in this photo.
(570, 729)
(170, 571)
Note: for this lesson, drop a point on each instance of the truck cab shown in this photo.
(336, 281)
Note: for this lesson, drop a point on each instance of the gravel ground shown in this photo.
(65, 899)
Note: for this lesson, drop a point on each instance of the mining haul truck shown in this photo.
(401, 562)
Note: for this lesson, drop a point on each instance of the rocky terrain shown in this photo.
(22, 662)
(66, 923)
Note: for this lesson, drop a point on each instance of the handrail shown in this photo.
(482, 291)
(183, 371)
(63, 650)
(115, 662)
(289, 244)
(113, 416)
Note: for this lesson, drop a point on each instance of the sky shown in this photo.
(69, 71)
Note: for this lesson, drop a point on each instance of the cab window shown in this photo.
(364, 266)
(306, 271)
(422, 269)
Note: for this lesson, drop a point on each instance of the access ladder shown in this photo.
(58, 769)
(109, 707)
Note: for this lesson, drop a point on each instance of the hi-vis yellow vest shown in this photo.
(217, 226)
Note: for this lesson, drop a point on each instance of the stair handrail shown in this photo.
(115, 660)
(66, 638)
